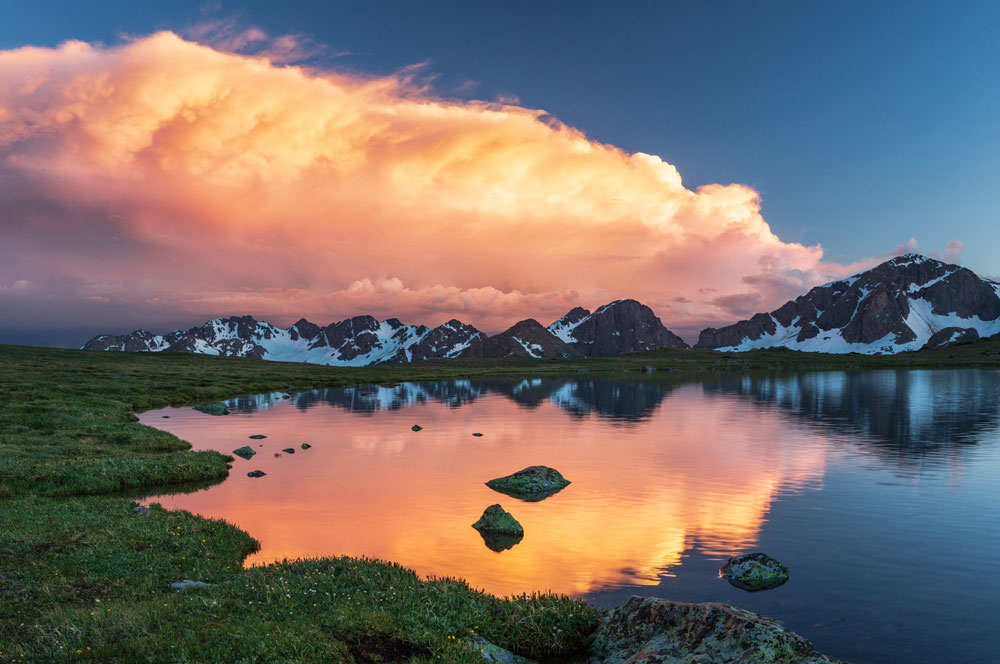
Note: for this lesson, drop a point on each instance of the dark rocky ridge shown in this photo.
(898, 305)
(620, 327)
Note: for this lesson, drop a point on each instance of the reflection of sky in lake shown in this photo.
(853, 480)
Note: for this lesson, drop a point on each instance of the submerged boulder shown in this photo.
(754, 571)
(217, 408)
(245, 452)
(498, 521)
(649, 629)
(531, 484)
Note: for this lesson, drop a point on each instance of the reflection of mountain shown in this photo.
(908, 414)
(630, 400)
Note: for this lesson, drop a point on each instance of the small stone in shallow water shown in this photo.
(306, 446)
(532, 484)
(496, 519)
(188, 583)
(256, 473)
(754, 571)
(166, 417)
(258, 436)
(478, 435)
(416, 427)
(216, 408)
(245, 452)
(289, 450)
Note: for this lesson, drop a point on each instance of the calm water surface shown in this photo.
(879, 490)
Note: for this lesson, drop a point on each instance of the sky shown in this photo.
(162, 164)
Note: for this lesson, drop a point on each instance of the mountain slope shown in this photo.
(619, 327)
(527, 338)
(907, 303)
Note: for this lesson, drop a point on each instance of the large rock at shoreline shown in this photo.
(217, 408)
(657, 631)
(532, 484)
(754, 571)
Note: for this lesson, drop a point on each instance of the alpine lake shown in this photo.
(879, 490)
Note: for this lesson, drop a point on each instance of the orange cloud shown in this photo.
(165, 175)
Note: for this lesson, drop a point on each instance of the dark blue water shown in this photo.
(879, 490)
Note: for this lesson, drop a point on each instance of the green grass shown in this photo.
(83, 577)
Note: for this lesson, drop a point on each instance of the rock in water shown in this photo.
(258, 436)
(531, 484)
(289, 450)
(256, 473)
(478, 435)
(217, 408)
(306, 446)
(500, 542)
(245, 452)
(649, 629)
(496, 520)
(416, 427)
(754, 571)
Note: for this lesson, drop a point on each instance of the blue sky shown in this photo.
(862, 124)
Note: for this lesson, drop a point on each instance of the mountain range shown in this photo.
(621, 326)
(906, 303)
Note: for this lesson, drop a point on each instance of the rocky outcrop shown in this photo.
(754, 572)
(531, 484)
(896, 306)
(950, 336)
(658, 631)
(619, 327)
(527, 338)
(499, 529)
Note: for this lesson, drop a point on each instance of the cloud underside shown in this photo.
(165, 178)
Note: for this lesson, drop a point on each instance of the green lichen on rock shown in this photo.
(498, 521)
(215, 408)
(245, 452)
(754, 571)
(491, 652)
(306, 446)
(657, 631)
(530, 484)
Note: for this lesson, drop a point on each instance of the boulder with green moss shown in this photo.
(658, 631)
(216, 408)
(531, 484)
(754, 571)
(498, 521)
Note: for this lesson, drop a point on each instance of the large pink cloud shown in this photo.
(162, 179)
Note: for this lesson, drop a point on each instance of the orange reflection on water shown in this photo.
(700, 470)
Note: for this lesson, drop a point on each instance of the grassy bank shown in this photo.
(82, 576)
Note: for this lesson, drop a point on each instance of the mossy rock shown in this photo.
(650, 629)
(416, 427)
(245, 452)
(258, 436)
(754, 572)
(216, 408)
(531, 484)
(498, 521)
(306, 446)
